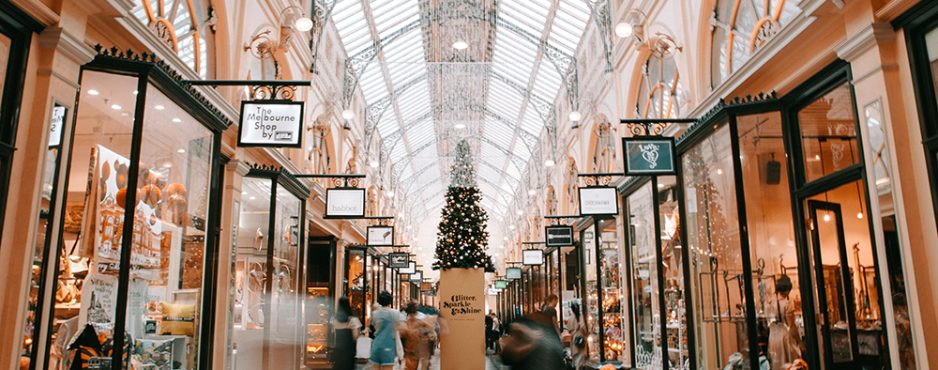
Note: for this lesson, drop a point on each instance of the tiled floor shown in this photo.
(490, 364)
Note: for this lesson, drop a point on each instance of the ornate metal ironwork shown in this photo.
(599, 9)
(321, 13)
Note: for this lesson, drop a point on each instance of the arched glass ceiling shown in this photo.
(501, 88)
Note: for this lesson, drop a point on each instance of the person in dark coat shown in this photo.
(346, 329)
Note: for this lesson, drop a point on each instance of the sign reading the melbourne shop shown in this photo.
(398, 260)
(56, 125)
(646, 156)
(271, 123)
(380, 236)
(513, 273)
(558, 236)
(345, 203)
(599, 201)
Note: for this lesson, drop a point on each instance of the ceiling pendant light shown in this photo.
(460, 126)
(575, 116)
(348, 114)
(549, 163)
(303, 24)
(624, 29)
(532, 192)
(373, 164)
(460, 45)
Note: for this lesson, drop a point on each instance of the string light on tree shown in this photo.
(462, 235)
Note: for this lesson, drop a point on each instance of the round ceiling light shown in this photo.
(549, 163)
(460, 45)
(373, 164)
(624, 29)
(575, 116)
(348, 114)
(303, 24)
(532, 192)
(460, 126)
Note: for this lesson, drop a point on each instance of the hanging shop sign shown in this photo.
(398, 260)
(599, 201)
(380, 236)
(410, 269)
(271, 123)
(56, 125)
(345, 203)
(648, 156)
(532, 257)
(513, 273)
(417, 277)
(426, 287)
(501, 284)
(558, 236)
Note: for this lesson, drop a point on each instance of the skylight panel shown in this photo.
(372, 84)
(532, 123)
(529, 15)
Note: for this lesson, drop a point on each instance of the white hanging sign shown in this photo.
(345, 203)
(380, 236)
(599, 201)
(56, 125)
(272, 123)
(532, 257)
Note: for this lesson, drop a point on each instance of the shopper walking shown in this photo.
(549, 310)
(532, 344)
(347, 329)
(416, 337)
(384, 351)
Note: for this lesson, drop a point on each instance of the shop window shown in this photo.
(776, 286)
(355, 280)
(739, 28)
(48, 197)
(591, 308)
(714, 254)
(829, 134)
(168, 222)
(182, 26)
(645, 285)
(267, 319)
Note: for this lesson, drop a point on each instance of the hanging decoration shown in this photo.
(462, 235)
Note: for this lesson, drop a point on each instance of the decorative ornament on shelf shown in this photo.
(462, 235)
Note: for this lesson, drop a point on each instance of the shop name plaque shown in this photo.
(345, 203)
(380, 236)
(532, 257)
(501, 284)
(648, 156)
(599, 201)
(513, 273)
(398, 260)
(558, 236)
(270, 124)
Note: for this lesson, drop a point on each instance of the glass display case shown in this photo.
(142, 195)
(615, 342)
(267, 330)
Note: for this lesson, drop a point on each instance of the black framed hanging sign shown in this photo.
(648, 155)
(345, 202)
(270, 123)
(501, 284)
(398, 260)
(380, 236)
(558, 236)
(532, 257)
(598, 201)
(416, 277)
(513, 273)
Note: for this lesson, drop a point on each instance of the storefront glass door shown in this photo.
(846, 283)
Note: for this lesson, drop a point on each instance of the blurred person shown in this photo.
(416, 337)
(579, 352)
(489, 332)
(384, 349)
(784, 337)
(347, 329)
(549, 310)
(533, 344)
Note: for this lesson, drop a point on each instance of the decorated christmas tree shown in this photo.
(462, 235)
